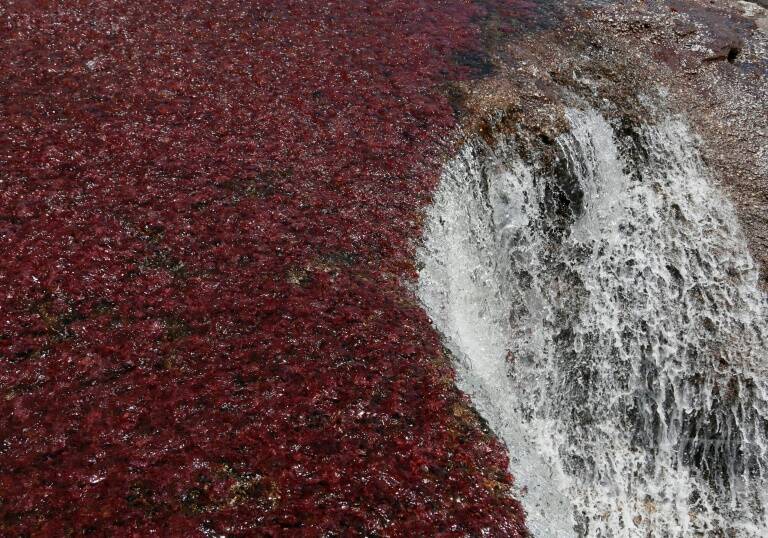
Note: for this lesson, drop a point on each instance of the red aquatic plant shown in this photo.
(206, 212)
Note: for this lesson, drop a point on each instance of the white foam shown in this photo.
(609, 347)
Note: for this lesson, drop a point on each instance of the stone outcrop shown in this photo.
(706, 61)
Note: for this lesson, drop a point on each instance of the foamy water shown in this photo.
(606, 320)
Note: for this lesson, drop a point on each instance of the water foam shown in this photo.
(605, 318)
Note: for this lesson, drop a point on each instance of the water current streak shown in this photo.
(606, 319)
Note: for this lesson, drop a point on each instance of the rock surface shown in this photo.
(708, 62)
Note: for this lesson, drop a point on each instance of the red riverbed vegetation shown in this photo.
(207, 219)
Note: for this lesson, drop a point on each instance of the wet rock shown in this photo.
(478, 62)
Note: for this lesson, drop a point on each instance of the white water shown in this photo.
(607, 322)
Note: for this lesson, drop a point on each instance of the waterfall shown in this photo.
(605, 317)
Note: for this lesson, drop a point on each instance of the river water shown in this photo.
(604, 315)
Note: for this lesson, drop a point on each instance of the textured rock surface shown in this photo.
(708, 62)
(717, 76)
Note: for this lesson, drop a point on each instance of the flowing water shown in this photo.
(605, 317)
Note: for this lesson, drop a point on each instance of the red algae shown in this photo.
(206, 218)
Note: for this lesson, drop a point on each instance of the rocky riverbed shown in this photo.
(209, 216)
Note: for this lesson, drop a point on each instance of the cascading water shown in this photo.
(605, 318)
